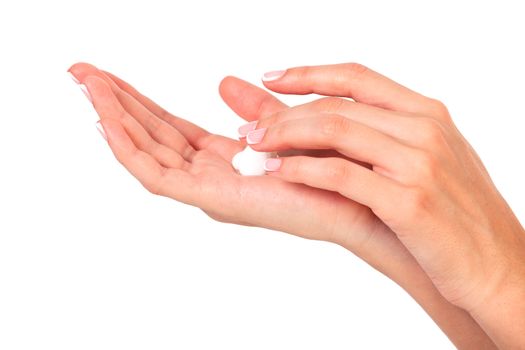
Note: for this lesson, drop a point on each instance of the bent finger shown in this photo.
(335, 174)
(331, 131)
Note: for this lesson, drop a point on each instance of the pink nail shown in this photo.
(246, 128)
(273, 75)
(255, 136)
(272, 164)
(73, 77)
(100, 129)
(86, 92)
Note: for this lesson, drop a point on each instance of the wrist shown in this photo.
(501, 310)
(502, 316)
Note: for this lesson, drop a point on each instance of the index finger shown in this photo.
(355, 81)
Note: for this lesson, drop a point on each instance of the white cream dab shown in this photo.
(249, 162)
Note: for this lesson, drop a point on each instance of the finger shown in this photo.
(174, 183)
(160, 130)
(193, 133)
(349, 138)
(108, 107)
(257, 105)
(197, 137)
(420, 132)
(248, 101)
(355, 81)
(335, 174)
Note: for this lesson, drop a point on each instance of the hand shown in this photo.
(175, 158)
(424, 182)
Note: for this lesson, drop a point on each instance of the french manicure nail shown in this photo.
(255, 136)
(86, 92)
(73, 77)
(246, 128)
(272, 164)
(273, 75)
(100, 129)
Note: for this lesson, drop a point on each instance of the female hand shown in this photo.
(424, 182)
(175, 158)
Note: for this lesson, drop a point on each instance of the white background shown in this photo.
(90, 260)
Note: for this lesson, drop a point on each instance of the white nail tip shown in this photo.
(73, 77)
(100, 129)
(86, 92)
(274, 75)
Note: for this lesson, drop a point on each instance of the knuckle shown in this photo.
(263, 106)
(333, 126)
(149, 145)
(278, 132)
(337, 173)
(303, 73)
(152, 187)
(432, 133)
(426, 166)
(152, 123)
(292, 167)
(416, 202)
(439, 109)
(355, 69)
(329, 104)
(275, 118)
(119, 94)
(122, 115)
(164, 114)
(154, 184)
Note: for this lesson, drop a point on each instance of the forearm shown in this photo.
(459, 326)
(402, 268)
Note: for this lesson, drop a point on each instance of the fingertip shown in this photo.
(81, 71)
(273, 76)
(229, 87)
(74, 67)
(75, 72)
(226, 81)
(244, 129)
(273, 164)
(80, 68)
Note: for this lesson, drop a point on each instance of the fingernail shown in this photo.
(273, 75)
(255, 136)
(272, 164)
(86, 92)
(73, 77)
(100, 129)
(246, 128)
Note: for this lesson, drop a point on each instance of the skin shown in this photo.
(451, 276)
